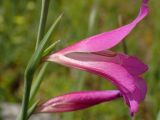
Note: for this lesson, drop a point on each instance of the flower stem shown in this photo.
(27, 87)
(133, 118)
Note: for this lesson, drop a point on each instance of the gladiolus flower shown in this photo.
(78, 100)
(93, 55)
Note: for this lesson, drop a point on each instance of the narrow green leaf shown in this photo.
(42, 22)
(38, 81)
(32, 109)
(38, 53)
(50, 48)
(92, 16)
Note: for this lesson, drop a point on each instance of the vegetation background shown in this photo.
(19, 21)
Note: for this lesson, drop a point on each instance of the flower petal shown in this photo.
(78, 100)
(115, 68)
(115, 72)
(132, 64)
(133, 99)
(109, 39)
(122, 70)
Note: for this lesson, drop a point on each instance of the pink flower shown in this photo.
(77, 100)
(93, 55)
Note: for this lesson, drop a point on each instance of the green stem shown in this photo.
(43, 19)
(27, 87)
(133, 118)
(30, 68)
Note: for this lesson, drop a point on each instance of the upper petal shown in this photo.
(109, 39)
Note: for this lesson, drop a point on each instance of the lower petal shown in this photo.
(78, 100)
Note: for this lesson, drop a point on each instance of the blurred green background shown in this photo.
(18, 29)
